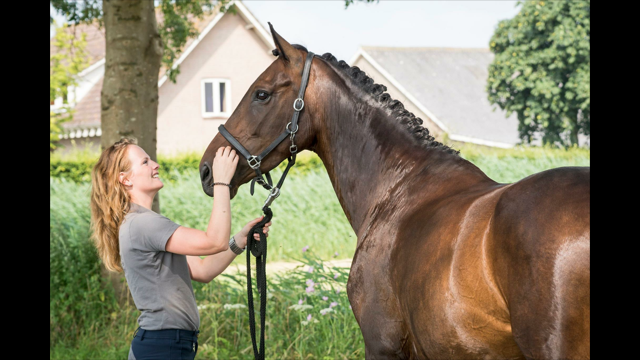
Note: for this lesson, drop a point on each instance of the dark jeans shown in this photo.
(171, 344)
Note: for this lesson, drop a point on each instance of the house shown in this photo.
(216, 69)
(445, 87)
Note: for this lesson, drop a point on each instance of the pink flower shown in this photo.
(309, 289)
(333, 304)
(335, 254)
(336, 276)
(337, 291)
(304, 249)
(309, 317)
(310, 269)
(300, 302)
(310, 282)
(325, 298)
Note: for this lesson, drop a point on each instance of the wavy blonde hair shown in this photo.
(109, 202)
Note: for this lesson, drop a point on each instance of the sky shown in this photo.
(326, 26)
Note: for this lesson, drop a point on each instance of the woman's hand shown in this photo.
(241, 236)
(224, 164)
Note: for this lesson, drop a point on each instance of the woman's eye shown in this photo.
(262, 95)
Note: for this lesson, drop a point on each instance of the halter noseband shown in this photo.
(290, 130)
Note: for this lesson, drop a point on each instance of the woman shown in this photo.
(159, 257)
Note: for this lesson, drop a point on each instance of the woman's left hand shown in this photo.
(241, 237)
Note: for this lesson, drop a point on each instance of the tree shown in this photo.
(67, 62)
(541, 70)
(136, 46)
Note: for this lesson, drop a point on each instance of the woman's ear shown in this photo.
(124, 180)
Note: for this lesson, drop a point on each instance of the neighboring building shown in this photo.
(216, 69)
(445, 87)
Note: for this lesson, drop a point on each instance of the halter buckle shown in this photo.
(273, 194)
(263, 183)
(296, 101)
(256, 162)
(293, 148)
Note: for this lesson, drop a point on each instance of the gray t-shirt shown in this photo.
(159, 281)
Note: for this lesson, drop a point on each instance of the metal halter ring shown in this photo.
(256, 162)
(292, 131)
(295, 102)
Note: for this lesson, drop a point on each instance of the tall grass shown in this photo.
(86, 321)
(302, 321)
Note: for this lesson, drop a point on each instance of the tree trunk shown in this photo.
(132, 62)
(129, 98)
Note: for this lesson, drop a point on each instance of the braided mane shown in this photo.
(377, 91)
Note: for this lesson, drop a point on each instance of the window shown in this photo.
(216, 98)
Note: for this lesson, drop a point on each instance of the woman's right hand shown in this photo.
(224, 164)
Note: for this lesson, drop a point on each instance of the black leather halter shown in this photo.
(290, 130)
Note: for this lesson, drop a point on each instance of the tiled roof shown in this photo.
(451, 84)
(87, 111)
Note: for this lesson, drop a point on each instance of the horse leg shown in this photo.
(376, 309)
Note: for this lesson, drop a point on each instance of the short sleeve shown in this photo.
(152, 231)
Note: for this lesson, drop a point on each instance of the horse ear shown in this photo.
(284, 49)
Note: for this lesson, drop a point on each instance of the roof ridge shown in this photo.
(418, 48)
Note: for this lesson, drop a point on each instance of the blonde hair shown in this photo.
(109, 202)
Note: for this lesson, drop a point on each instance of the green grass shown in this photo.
(86, 321)
(224, 320)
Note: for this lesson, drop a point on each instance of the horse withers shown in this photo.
(449, 264)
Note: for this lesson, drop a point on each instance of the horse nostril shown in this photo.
(205, 172)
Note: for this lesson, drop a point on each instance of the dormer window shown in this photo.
(216, 98)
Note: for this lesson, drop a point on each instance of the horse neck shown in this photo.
(371, 158)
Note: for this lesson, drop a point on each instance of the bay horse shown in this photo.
(449, 264)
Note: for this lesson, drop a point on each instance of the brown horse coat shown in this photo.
(449, 264)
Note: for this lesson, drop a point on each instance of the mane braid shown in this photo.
(377, 91)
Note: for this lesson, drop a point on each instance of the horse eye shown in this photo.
(262, 95)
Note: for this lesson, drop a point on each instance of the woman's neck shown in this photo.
(142, 199)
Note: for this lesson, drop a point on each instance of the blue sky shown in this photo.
(325, 26)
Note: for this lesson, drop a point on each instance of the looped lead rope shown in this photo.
(259, 250)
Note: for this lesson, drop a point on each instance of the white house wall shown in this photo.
(228, 51)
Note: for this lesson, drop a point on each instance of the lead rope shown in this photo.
(259, 250)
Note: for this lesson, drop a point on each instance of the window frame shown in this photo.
(216, 95)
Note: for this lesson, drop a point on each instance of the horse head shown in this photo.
(263, 114)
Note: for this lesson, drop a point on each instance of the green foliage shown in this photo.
(349, 2)
(78, 295)
(69, 59)
(541, 70)
(76, 166)
(511, 165)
